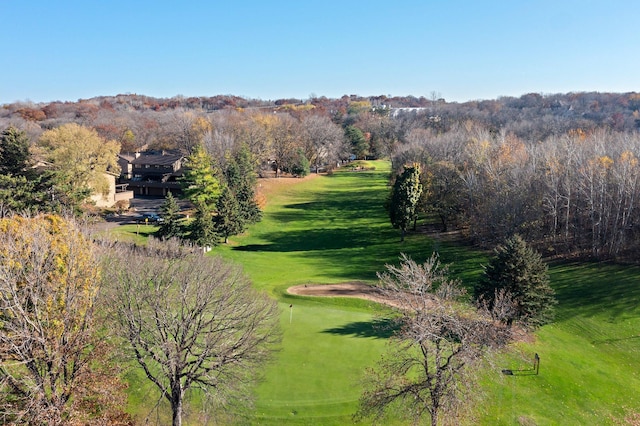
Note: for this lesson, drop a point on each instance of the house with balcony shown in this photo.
(152, 173)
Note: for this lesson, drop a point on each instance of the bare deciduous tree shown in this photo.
(323, 141)
(192, 321)
(437, 341)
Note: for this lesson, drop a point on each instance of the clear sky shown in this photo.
(271, 49)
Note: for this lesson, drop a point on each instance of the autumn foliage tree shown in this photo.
(79, 159)
(49, 350)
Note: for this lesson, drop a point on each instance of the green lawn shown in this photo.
(334, 228)
(133, 233)
(322, 230)
(590, 357)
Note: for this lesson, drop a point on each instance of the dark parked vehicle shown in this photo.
(151, 218)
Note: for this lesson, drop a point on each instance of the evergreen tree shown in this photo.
(300, 165)
(519, 270)
(359, 144)
(199, 183)
(17, 194)
(242, 179)
(60, 195)
(14, 152)
(203, 230)
(229, 220)
(404, 198)
(170, 226)
(20, 189)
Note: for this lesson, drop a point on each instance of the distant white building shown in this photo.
(397, 111)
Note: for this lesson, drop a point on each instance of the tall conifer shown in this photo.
(520, 271)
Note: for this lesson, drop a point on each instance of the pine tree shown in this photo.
(199, 183)
(14, 152)
(359, 144)
(170, 227)
(404, 198)
(229, 220)
(519, 270)
(203, 230)
(242, 179)
(300, 164)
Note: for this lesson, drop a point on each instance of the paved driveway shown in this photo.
(139, 206)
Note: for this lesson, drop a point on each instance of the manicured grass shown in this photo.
(316, 376)
(324, 229)
(589, 371)
(328, 229)
(331, 229)
(132, 233)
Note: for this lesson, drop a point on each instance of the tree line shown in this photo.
(558, 169)
(569, 193)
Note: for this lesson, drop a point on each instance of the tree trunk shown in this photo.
(177, 413)
(443, 220)
(176, 404)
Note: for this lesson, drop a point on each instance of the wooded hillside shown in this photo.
(561, 169)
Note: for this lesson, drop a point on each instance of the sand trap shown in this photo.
(352, 289)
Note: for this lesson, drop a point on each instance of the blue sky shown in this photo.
(272, 49)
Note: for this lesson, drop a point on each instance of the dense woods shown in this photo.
(561, 169)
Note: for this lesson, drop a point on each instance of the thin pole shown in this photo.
(290, 313)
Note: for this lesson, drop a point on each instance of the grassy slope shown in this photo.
(322, 230)
(589, 372)
(333, 228)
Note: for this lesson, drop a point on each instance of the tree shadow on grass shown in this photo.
(598, 288)
(377, 328)
(315, 240)
(347, 229)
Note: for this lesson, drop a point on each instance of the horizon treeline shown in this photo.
(562, 170)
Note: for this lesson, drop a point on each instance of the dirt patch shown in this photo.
(269, 184)
(352, 289)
